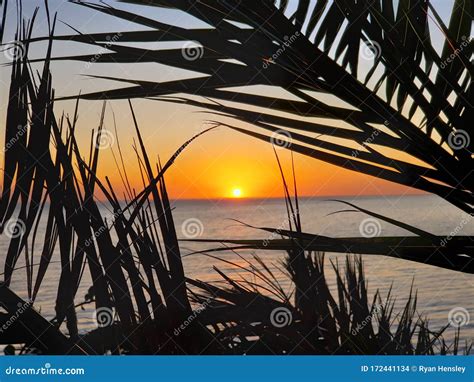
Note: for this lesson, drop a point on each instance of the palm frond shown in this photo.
(381, 62)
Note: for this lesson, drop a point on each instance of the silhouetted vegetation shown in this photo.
(135, 262)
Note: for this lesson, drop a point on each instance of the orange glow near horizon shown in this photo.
(206, 175)
(221, 164)
(220, 161)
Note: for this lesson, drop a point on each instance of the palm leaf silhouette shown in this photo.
(402, 108)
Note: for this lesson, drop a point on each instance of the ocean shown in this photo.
(439, 291)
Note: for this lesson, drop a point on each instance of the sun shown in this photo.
(237, 193)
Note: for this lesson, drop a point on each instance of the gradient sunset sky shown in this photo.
(212, 166)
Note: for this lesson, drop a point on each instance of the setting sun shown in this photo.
(236, 192)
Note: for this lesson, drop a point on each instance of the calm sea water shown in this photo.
(439, 291)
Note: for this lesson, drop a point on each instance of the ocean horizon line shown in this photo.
(301, 197)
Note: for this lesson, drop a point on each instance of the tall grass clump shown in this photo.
(401, 109)
(254, 314)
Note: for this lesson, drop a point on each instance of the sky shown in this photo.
(216, 164)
